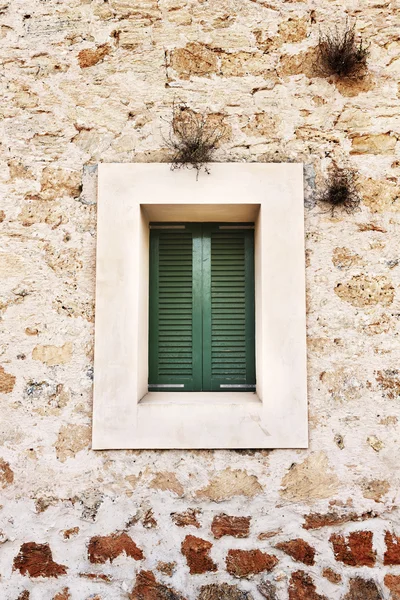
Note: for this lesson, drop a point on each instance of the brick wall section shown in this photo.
(85, 82)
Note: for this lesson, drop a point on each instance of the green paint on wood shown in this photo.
(202, 333)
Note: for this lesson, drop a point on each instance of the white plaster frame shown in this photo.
(125, 415)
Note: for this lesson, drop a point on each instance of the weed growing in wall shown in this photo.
(341, 191)
(193, 139)
(339, 53)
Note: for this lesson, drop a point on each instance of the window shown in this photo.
(201, 328)
(133, 197)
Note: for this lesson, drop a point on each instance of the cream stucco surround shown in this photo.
(125, 415)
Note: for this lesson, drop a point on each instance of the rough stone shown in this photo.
(57, 183)
(392, 553)
(245, 563)
(197, 554)
(313, 479)
(223, 591)
(42, 212)
(363, 589)
(6, 474)
(241, 64)
(380, 196)
(302, 587)
(165, 481)
(69, 533)
(109, 547)
(332, 575)
(356, 550)
(223, 524)
(375, 489)
(187, 518)
(36, 560)
(343, 258)
(298, 64)
(90, 57)
(194, 59)
(166, 568)
(53, 355)
(148, 588)
(299, 550)
(262, 125)
(7, 381)
(375, 443)
(389, 382)
(268, 590)
(229, 483)
(364, 290)
(11, 265)
(71, 440)
(349, 88)
(383, 143)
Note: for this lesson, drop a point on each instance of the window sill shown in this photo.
(192, 398)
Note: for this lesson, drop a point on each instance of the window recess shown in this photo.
(201, 309)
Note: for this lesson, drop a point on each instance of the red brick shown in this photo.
(96, 577)
(237, 527)
(363, 589)
(318, 520)
(302, 587)
(36, 560)
(392, 582)
(243, 563)
(196, 552)
(148, 588)
(392, 554)
(64, 595)
(356, 550)
(299, 550)
(103, 548)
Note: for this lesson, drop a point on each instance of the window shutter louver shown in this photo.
(175, 358)
(228, 327)
(201, 308)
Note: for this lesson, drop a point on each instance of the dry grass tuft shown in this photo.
(341, 191)
(340, 54)
(194, 137)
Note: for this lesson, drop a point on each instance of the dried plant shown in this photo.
(340, 54)
(341, 191)
(193, 138)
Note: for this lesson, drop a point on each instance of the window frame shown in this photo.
(125, 415)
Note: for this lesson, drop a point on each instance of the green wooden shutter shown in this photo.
(175, 309)
(228, 319)
(201, 308)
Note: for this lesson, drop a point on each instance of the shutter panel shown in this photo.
(229, 354)
(201, 318)
(174, 310)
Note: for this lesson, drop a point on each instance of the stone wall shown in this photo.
(85, 81)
